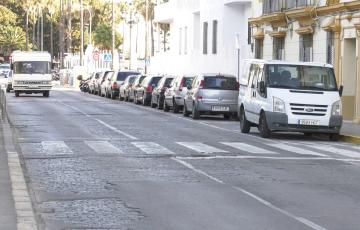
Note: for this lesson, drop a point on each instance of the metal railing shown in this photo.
(273, 6)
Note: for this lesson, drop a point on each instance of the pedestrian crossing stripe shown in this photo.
(343, 152)
(152, 148)
(201, 148)
(248, 148)
(103, 147)
(296, 150)
(55, 147)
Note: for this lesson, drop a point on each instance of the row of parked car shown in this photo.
(197, 95)
(272, 95)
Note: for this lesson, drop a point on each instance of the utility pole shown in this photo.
(69, 27)
(146, 34)
(42, 30)
(81, 33)
(113, 34)
(27, 29)
(61, 36)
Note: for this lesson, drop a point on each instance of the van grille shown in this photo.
(308, 109)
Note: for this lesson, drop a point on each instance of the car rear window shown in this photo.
(168, 81)
(188, 81)
(155, 80)
(220, 82)
(132, 79)
(122, 75)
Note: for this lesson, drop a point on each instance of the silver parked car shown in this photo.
(104, 85)
(99, 81)
(212, 94)
(125, 87)
(116, 81)
(174, 96)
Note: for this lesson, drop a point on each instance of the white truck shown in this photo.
(31, 72)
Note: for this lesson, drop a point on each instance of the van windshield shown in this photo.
(220, 82)
(32, 67)
(300, 77)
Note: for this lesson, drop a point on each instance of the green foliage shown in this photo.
(11, 38)
(7, 17)
(103, 37)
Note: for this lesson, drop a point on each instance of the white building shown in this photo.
(204, 36)
(325, 31)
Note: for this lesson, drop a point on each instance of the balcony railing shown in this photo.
(272, 6)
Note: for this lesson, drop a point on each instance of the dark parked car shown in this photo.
(157, 97)
(144, 92)
(134, 86)
(125, 87)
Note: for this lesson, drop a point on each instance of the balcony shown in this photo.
(274, 6)
(236, 2)
(164, 13)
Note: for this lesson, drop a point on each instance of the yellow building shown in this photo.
(313, 30)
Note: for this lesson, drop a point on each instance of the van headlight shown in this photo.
(336, 109)
(278, 105)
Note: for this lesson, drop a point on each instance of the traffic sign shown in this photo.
(96, 55)
(107, 57)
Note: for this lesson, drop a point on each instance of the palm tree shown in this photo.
(12, 38)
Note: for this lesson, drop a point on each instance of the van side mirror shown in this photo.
(262, 87)
(341, 89)
(79, 78)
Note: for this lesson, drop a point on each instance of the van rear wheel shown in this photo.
(17, 93)
(334, 137)
(263, 127)
(245, 125)
(46, 94)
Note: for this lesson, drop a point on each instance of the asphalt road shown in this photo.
(94, 163)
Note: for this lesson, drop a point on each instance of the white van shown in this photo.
(31, 72)
(289, 96)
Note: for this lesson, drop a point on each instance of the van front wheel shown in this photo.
(244, 123)
(263, 127)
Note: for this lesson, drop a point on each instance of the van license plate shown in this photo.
(220, 108)
(309, 122)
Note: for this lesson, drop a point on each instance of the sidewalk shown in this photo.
(7, 208)
(350, 132)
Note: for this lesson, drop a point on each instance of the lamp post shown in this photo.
(81, 33)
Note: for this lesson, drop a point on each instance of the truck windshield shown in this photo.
(32, 67)
(300, 77)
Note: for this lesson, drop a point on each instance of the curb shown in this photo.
(350, 139)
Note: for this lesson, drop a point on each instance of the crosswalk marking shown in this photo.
(296, 150)
(152, 148)
(201, 148)
(55, 148)
(103, 147)
(248, 148)
(343, 152)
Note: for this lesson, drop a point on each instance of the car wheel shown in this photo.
(152, 104)
(263, 127)
(195, 112)
(334, 136)
(17, 93)
(8, 90)
(176, 108)
(144, 102)
(159, 104)
(120, 97)
(307, 134)
(46, 94)
(185, 111)
(245, 125)
(166, 107)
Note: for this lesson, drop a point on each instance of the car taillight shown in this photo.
(114, 85)
(202, 83)
(149, 89)
(237, 85)
(199, 97)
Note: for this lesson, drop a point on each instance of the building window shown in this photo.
(330, 47)
(214, 37)
(249, 33)
(180, 40)
(205, 37)
(306, 47)
(259, 46)
(185, 39)
(278, 48)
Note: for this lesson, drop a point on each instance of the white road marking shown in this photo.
(201, 148)
(152, 148)
(248, 148)
(101, 122)
(102, 147)
(55, 148)
(331, 149)
(296, 150)
(302, 220)
(25, 217)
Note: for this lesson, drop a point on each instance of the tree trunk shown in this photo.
(61, 35)
(69, 28)
(27, 30)
(51, 36)
(152, 38)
